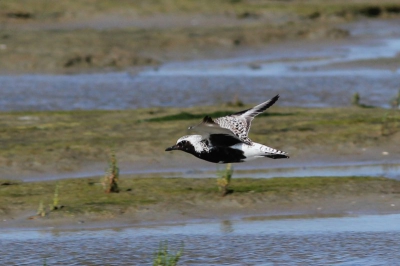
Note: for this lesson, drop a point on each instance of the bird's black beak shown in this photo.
(175, 147)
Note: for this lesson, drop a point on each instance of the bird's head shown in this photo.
(186, 144)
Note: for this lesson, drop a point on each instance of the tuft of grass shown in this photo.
(111, 177)
(55, 205)
(356, 99)
(41, 211)
(236, 102)
(395, 102)
(163, 257)
(224, 180)
(390, 123)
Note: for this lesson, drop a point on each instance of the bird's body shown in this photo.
(225, 139)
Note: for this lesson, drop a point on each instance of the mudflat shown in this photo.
(44, 37)
(63, 143)
(82, 203)
(103, 36)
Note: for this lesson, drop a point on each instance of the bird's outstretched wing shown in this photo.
(236, 125)
(215, 134)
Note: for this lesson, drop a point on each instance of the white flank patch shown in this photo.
(256, 150)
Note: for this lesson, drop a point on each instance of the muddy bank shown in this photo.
(144, 201)
(115, 50)
(82, 37)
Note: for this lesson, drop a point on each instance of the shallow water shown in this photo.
(372, 169)
(364, 240)
(304, 74)
(294, 63)
(344, 170)
(122, 91)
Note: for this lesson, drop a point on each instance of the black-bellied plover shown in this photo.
(225, 139)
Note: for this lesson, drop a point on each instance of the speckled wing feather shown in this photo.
(237, 125)
(213, 132)
(249, 114)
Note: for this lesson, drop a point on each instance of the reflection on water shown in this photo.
(365, 240)
(226, 226)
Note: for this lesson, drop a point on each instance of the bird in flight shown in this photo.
(225, 139)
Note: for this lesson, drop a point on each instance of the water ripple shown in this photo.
(366, 240)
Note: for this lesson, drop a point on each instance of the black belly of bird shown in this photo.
(222, 155)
